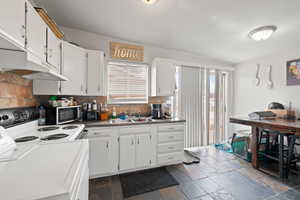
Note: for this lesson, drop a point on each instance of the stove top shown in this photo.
(69, 127)
(26, 139)
(55, 136)
(21, 124)
(50, 128)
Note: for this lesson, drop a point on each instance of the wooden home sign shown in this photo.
(126, 51)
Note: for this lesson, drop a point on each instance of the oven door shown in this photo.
(67, 114)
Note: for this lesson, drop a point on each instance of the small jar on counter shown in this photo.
(104, 114)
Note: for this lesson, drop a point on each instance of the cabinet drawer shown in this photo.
(133, 130)
(170, 147)
(170, 137)
(168, 128)
(170, 157)
(100, 132)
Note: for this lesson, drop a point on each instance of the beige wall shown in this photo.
(15, 91)
(101, 42)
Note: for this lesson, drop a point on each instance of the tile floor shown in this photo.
(219, 176)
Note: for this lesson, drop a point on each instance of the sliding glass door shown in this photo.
(201, 99)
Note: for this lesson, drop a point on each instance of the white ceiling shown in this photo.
(214, 28)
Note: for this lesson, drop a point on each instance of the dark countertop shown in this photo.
(90, 124)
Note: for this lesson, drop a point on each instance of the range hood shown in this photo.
(34, 68)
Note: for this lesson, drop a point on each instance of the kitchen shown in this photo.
(111, 104)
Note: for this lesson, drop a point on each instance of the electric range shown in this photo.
(21, 125)
(31, 132)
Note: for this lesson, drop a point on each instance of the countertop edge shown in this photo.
(95, 124)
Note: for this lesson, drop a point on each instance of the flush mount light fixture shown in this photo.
(262, 33)
(149, 1)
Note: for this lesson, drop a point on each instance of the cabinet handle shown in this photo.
(132, 142)
(23, 31)
(107, 144)
(50, 53)
(45, 50)
(138, 140)
(81, 87)
(170, 147)
(171, 137)
(170, 158)
(98, 133)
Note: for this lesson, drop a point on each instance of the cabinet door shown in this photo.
(127, 152)
(53, 50)
(143, 150)
(12, 20)
(36, 33)
(74, 68)
(165, 78)
(100, 156)
(95, 73)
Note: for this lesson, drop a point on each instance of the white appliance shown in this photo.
(32, 133)
(59, 171)
(22, 132)
(9, 150)
(49, 158)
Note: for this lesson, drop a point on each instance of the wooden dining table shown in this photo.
(282, 126)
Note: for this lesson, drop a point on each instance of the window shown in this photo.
(127, 83)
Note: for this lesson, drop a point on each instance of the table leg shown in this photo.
(254, 147)
(282, 173)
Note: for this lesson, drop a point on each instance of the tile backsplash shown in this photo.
(15, 91)
(144, 109)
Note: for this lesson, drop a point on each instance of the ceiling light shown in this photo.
(149, 1)
(262, 33)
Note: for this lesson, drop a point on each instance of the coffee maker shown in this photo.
(156, 111)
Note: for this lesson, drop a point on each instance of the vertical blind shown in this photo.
(203, 97)
(127, 83)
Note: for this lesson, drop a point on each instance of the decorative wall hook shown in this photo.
(257, 82)
(270, 82)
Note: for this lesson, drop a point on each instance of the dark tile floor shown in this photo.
(219, 176)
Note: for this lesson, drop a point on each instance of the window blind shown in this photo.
(127, 83)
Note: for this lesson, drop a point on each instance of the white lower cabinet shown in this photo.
(116, 150)
(127, 152)
(170, 144)
(103, 152)
(143, 150)
(100, 148)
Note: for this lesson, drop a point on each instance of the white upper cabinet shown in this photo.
(12, 20)
(163, 81)
(36, 33)
(74, 62)
(96, 73)
(53, 50)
